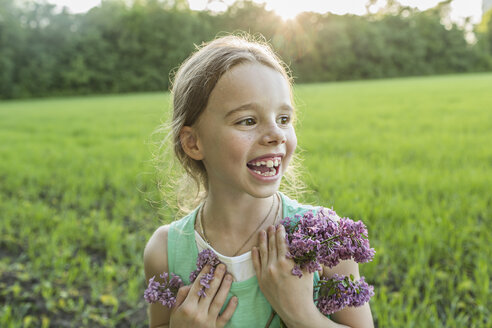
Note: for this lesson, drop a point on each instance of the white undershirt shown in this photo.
(240, 267)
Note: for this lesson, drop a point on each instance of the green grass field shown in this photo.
(410, 157)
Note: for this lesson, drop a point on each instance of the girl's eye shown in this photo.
(247, 121)
(284, 120)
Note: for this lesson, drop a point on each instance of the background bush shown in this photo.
(117, 48)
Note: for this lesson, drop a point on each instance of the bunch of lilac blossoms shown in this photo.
(341, 291)
(164, 293)
(325, 238)
(205, 257)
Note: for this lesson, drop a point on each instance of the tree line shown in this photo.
(120, 47)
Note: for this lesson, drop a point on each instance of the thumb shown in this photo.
(182, 293)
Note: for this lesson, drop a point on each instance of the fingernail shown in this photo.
(228, 277)
(221, 268)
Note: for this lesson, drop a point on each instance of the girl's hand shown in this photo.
(192, 310)
(290, 296)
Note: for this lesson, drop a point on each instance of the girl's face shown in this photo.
(245, 134)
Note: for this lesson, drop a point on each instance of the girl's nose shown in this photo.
(273, 135)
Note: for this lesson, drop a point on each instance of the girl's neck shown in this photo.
(233, 213)
(229, 220)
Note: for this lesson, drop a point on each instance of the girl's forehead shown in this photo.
(247, 70)
(250, 83)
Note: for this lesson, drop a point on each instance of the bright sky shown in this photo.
(290, 8)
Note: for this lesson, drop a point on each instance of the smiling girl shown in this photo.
(233, 133)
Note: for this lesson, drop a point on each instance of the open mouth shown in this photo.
(266, 167)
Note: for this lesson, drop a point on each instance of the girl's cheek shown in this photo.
(293, 141)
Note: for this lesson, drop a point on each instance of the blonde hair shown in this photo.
(191, 88)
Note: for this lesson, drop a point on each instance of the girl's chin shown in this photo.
(265, 192)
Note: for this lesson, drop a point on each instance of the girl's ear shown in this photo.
(190, 144)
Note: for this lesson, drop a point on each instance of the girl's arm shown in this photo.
(190, 310)
(351, 316)
(292, 297)
(155, 263)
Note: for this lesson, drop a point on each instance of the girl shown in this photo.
(233, 133)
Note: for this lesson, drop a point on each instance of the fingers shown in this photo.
(228, 312)
(181, 296)
(281, 244)
(255, 256)
(196, 286)
(189, 306)
(272, 245)
(268, 246)
(263, 249)
(214, 286)
(220, 296)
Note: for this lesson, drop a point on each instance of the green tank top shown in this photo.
(253, 310)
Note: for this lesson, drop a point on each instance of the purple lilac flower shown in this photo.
(341, 291)
(165, 292)
(325, 238)
(152, 293)
(205, 257)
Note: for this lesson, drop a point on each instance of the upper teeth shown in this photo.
(269, 163)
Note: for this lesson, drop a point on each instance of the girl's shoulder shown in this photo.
(155, 252)
(185, 225)
(292, 207)
(156, 248)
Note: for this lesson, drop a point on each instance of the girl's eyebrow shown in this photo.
(242, 108)
(253, 106)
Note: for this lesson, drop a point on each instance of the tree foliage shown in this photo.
(120, 47)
